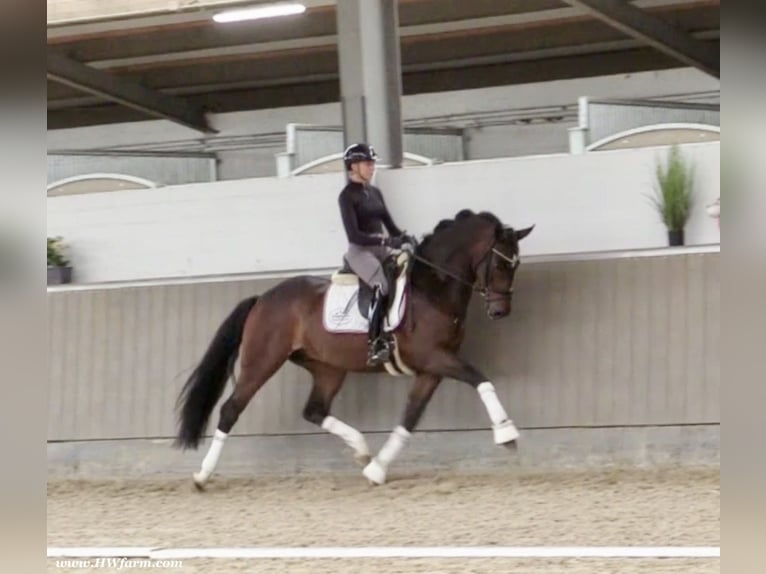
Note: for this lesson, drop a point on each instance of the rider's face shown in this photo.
(364, 169)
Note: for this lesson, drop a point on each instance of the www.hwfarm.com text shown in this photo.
(117, 563)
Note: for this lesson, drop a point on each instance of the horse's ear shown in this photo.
(522, 233)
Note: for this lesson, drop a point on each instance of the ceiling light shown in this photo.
(256, 13)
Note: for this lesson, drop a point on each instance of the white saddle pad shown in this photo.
(341, 308)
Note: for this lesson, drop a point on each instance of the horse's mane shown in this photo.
(461, 216)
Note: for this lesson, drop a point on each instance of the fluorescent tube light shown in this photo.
(258, 12)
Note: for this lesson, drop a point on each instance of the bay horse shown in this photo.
(474, 252)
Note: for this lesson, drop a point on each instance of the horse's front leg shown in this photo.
(421, 393)
(446, 364)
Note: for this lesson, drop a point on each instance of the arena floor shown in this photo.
(605, 508)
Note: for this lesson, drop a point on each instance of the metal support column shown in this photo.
(370, 76)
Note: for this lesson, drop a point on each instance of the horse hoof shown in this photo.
(505, 433)
(199, 482)
(375, 473)
(512, 446)
(362, 459)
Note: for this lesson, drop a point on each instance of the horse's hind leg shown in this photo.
(420, 395)
(327, 382)
(252, 377)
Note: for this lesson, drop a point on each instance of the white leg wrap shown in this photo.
(394, 445)
(211, 458)
(505, 432)
(488, 396)
(503, 428)
(349, 434)
(376, 470)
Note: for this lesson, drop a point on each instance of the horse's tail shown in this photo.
(206, 383)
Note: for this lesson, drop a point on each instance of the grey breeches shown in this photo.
(367, 263)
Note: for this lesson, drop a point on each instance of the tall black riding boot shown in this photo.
(379, 351)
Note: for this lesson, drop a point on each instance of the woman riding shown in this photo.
(365, 215)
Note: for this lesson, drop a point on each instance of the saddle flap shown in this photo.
(350, 297)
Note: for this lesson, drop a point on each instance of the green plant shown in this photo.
(674, 190)
(56, 257)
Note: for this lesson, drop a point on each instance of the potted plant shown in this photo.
(714, 210)
(59, 269)
(674, 194)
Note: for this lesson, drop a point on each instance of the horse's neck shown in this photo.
(446, 293)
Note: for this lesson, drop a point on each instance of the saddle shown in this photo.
(395, 267)
(342, 314)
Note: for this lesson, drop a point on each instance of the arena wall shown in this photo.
(579, 203)
(612, 354)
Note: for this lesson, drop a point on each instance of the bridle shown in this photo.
(484, 290)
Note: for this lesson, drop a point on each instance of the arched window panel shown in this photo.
(658, 135)
(97, 183)
(334, 163)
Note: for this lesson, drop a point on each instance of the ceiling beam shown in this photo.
(656, 32)
(66, 71)
(415, 82)
(456, 64)
(408, 33)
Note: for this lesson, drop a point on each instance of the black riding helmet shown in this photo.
(358, 152)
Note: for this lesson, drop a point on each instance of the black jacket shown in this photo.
(364, 214)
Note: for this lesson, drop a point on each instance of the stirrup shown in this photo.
(379, 352)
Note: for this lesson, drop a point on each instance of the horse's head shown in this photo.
(496, 269)
(476, 251)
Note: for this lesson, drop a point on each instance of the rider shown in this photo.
(364, 215)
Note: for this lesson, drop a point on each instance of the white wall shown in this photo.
(582, 203)
(437, 109)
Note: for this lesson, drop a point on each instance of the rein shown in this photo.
(484, 291)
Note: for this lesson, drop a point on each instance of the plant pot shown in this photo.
(675, 237)
(59, 275)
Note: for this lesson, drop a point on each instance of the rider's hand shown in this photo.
(395, 242)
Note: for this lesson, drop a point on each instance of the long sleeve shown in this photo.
(351, 224)
(392, 228)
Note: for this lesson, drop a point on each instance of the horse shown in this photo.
(470, 253)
